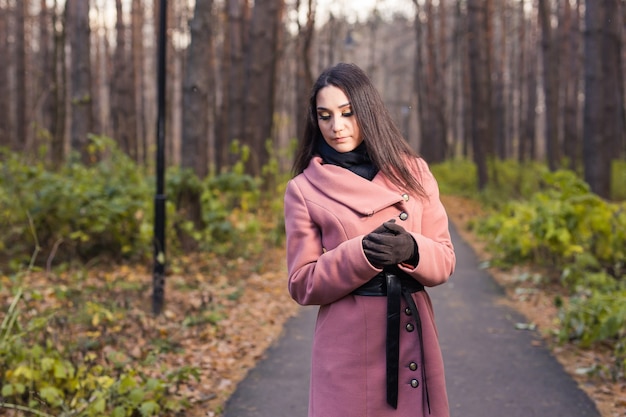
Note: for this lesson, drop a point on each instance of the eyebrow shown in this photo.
(341, 106)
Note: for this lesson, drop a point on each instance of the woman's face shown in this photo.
(336, 120)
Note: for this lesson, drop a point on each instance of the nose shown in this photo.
(338, 124)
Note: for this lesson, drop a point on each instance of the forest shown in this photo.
(518, 105)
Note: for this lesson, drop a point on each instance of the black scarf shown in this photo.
(357, 160)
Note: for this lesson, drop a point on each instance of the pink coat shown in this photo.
(328, 210)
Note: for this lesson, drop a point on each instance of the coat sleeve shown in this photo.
(317, 276)
(436, 252)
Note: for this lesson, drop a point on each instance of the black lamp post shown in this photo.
(158, 280)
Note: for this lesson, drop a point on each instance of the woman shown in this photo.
(366, 232)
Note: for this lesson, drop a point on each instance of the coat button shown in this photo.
(407, 311)
(409, 327)
(413, 366)
(415, 383)
(403, 216)
(405, 196)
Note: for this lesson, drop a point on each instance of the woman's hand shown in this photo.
(390, 244)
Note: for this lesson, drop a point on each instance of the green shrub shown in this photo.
(598, 317)
(557, 225)
(38, 377)
(456, 177)
(76, 211)
(618, 181)
(81, 212)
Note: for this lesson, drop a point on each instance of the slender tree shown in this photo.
(550, 84)
(233, 79)
(419, 73)
(123, 117)
(304, 75)
(528, 112)
(45, 63)
(262, 64)
(596, 144)
(20, 139)
(58, 92)
(480, 86)
(81, 98)
(198, 91)
(434, 131)
(466, 86)
(5, 107)
(500, 110)
(138, 57)
(571, 82)
(522, 96)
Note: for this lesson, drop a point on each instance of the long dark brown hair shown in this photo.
(383, 140)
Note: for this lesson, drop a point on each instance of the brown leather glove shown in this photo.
(390, 244)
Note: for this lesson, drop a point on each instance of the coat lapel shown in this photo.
(357, 193)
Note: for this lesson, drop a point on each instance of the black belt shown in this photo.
(395, 284)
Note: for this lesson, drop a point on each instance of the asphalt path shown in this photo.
(492, 369)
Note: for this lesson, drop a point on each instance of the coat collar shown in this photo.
(357, 193)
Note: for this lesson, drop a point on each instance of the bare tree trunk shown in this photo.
(45, 82)
(419, 72)
(100, 79)
(468, 122)
(550, 85)
(622, 84)
(434, 126)
(123, 118)
(233, 80)
(528, 111)
(572, 145)
(198, 92)
(596, 143)
(137, 52)
(266, 29)
(304, 76)
(198, 104)
(480, 86)
(444, 75)
(5, 108)
(522, 80)
(81, 98)
(173, 87)
(20, 139)
(500, 110)
(456, 86)
(59, 85)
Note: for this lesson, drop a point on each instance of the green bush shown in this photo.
(81, 212)
(618, 181)
(598, 317)
(509, 180)
(76, 211)
(456, 177)
(559, 224)
(38, 378)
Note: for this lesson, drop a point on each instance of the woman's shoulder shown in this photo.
(302, 179)
(416, 164)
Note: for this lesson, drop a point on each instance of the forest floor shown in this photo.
(221, 316)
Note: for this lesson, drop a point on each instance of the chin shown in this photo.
(344, 148)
